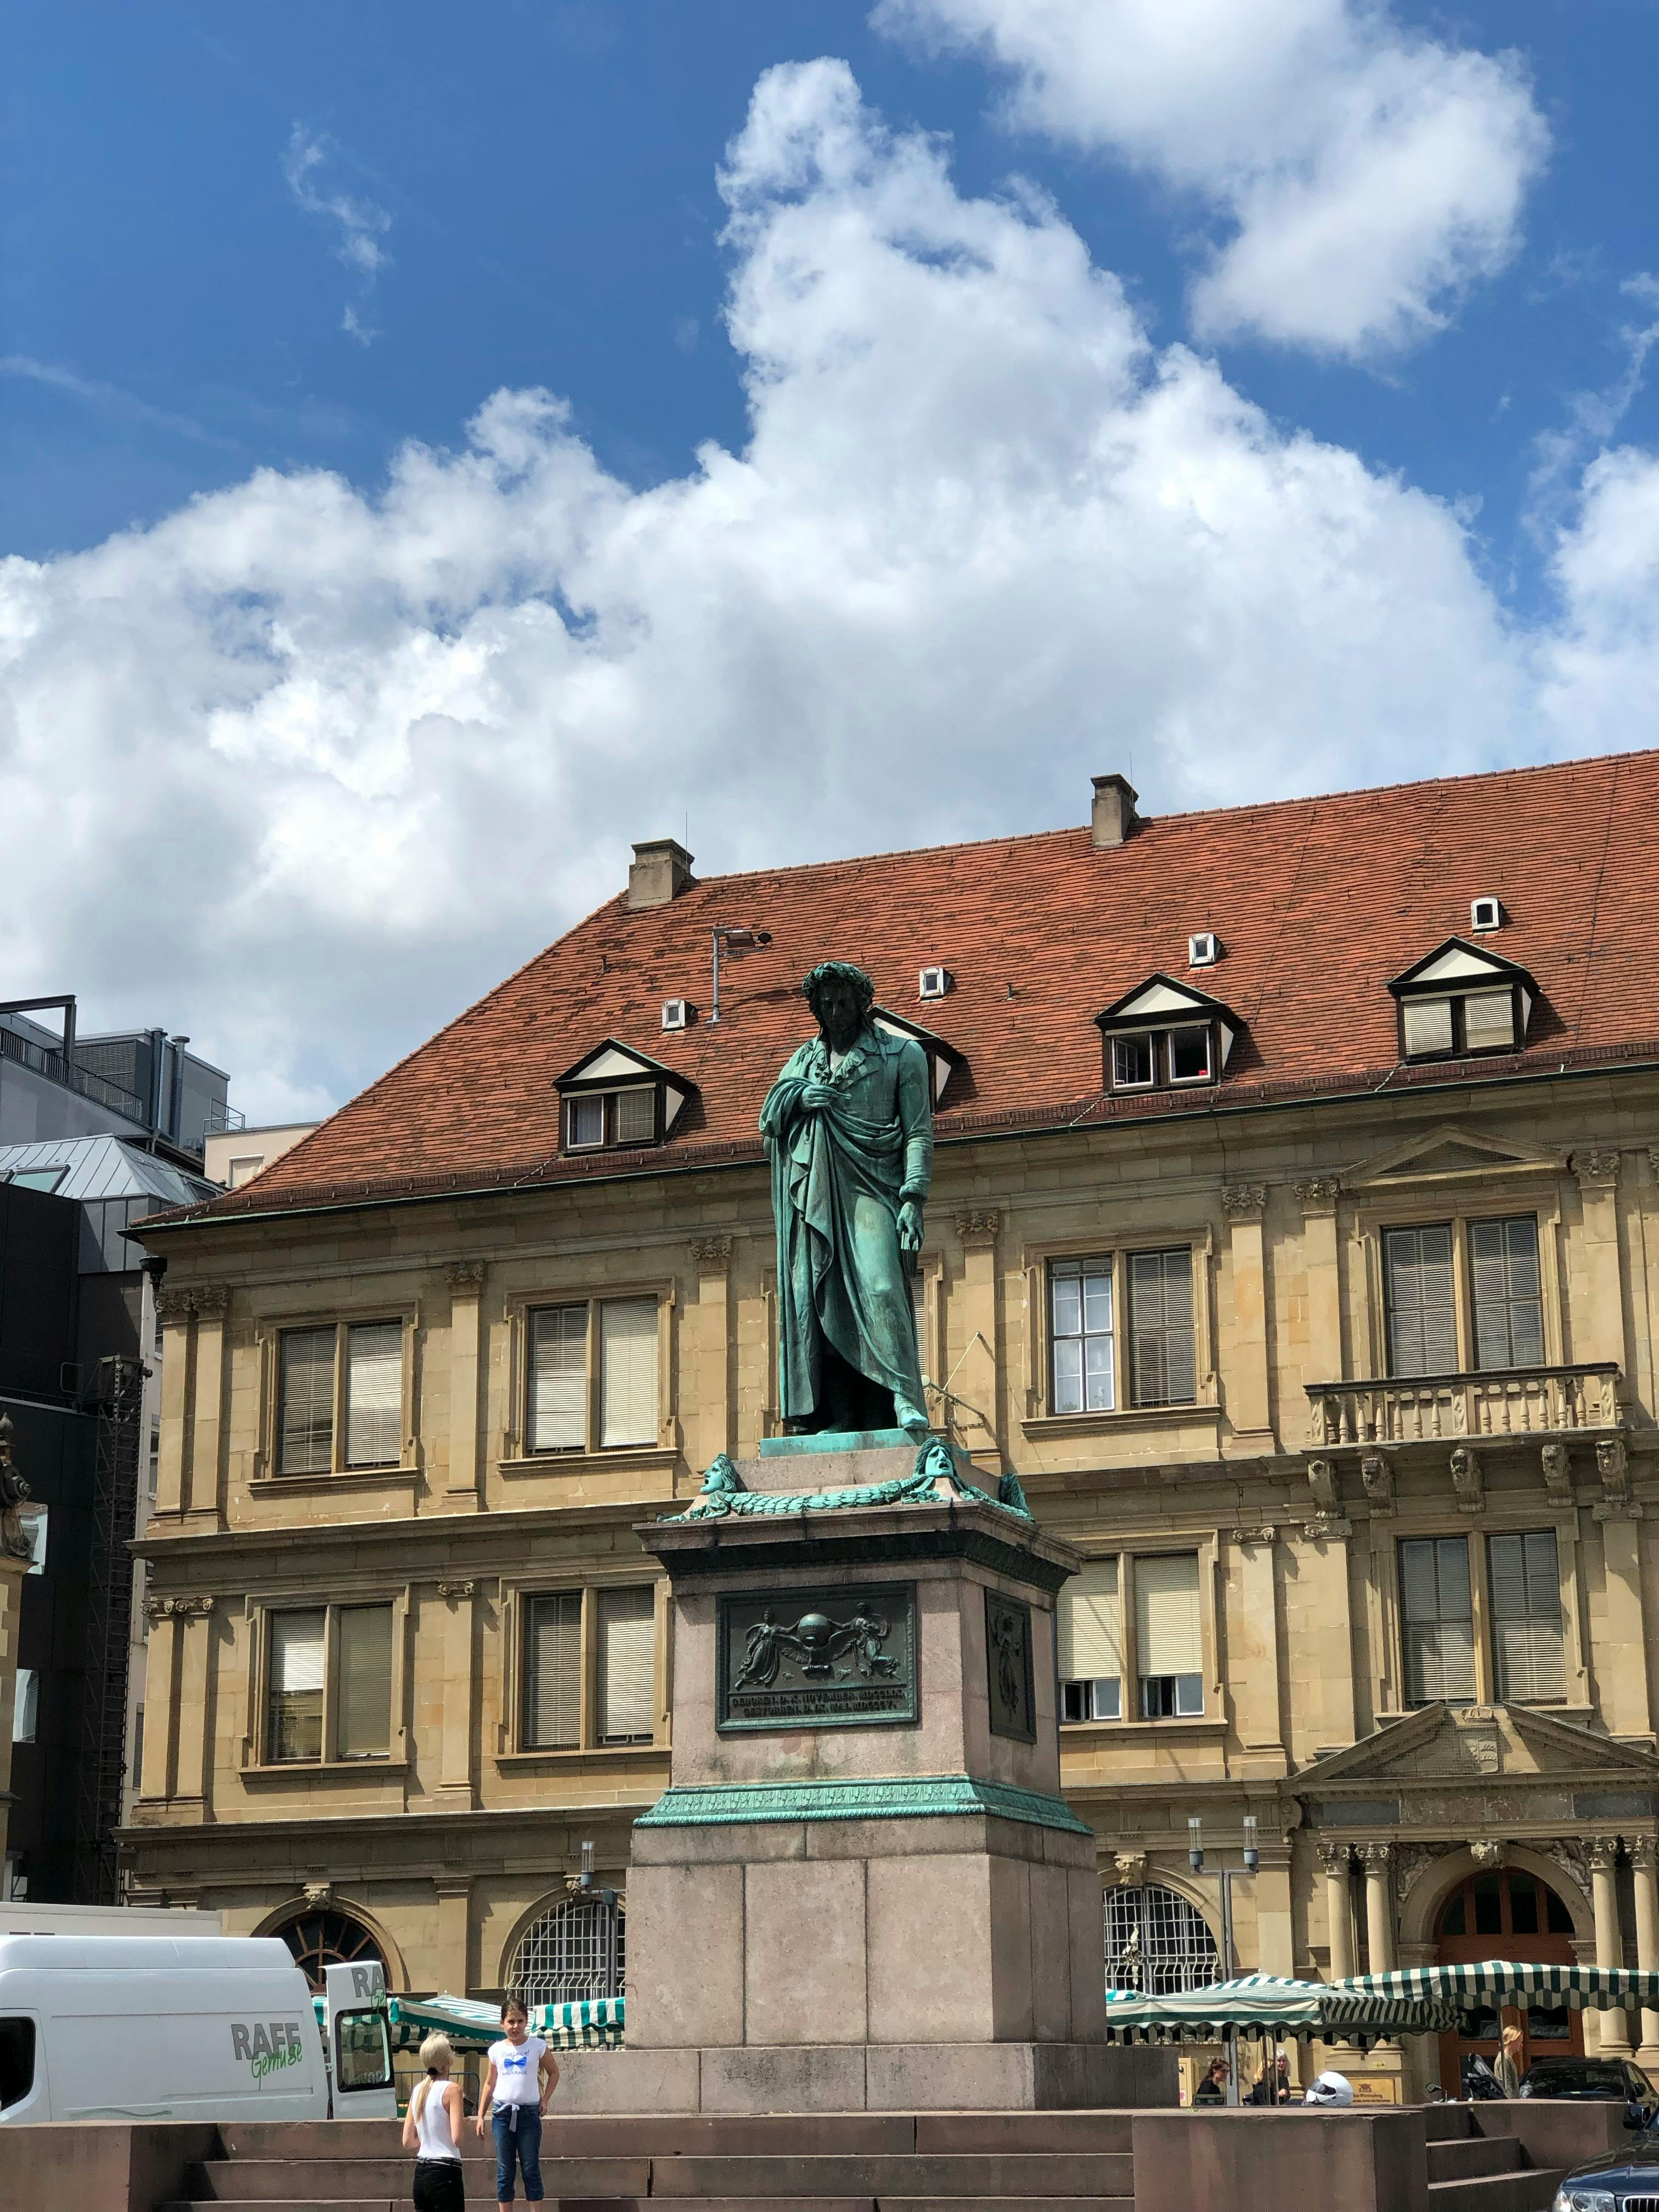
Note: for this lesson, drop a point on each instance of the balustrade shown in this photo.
(1421, 1408)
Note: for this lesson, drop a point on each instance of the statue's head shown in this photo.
(840, 995)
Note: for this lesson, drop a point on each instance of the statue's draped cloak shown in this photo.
(838, 1178)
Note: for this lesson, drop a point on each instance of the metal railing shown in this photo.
(1508, 1402)
(57, 1069)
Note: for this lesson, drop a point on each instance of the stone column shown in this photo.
(455, 1738)
(201, 1497)
(706, 1354)
(1339, 1918)
(1375, 1858)
(977, 1418)
(1645, 1858)
(466, 1280)
(1244, 1204)
(1609, 1944)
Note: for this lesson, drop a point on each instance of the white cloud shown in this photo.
(1368, 175)
(302, 768)
(358, 225)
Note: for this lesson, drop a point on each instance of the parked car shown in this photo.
(1622, 2178)
(1612, 2079)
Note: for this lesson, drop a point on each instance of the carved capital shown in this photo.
(1375, 1855)
(1244, 1202)
(1131, 1868)
(1333, 1857)
(1378, 1476)
(711, 1254)
(1318, 1194)
(1332, 1526)
(319, 1894)
(1557, 1474)
(172, 1307)
(979, 1224)
(1595, 1170)
(1644, 1853)
(456, 1590)
(210, 1301)
(1603, 1852)
(1266, 1534)
(1468, 1484)
(194, 1606)
(465, 1278)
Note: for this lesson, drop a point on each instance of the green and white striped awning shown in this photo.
(1507, 1981)
(595, 2024)
(1262, 2005)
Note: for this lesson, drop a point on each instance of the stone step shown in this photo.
(1474, 2155)
(1448, 2122)
(320, 2180)
(480, 2190)
(677, 2135)
(1532, 2191)
(979, 2175)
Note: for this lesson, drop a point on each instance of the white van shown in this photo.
(358, 2042)
(149, 2027)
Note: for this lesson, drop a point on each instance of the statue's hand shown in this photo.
(815, 1096)
(910, 1226)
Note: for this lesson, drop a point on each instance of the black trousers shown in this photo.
(439, 2186)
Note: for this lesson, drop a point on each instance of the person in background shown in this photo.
(432, 2129)
(1508, 2069)
(1213, 2089)
(523, 2076)
(1274, 2087)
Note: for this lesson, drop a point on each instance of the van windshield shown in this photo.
(16, 2061)
(362, 2050)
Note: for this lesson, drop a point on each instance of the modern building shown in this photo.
(141, 1085)
(232, 1156)
(80, 1383)
(1294, 1237)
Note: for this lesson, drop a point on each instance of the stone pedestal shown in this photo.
(862, 1889)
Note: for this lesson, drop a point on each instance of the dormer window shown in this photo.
(943, 1060)
(1461, 1001)
(1165, 1035)
(617, 1099)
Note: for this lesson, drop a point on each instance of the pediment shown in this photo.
(1448, 1152)
(1458, 963)
(1160, 998)
(1444, 1744)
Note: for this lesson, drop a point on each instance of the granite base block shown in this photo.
(629, 2081)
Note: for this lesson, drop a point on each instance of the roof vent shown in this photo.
(1203, 949)
(677, 1013)
(1112, 816)
(1486, 913)
(661, 871)
(933, 982)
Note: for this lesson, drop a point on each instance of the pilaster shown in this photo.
(454, 1948)
(974, 1413)
(1598, 1303)
(193, 1618)
(455, 1783)
(1246, 1375)
(467, 1369)
(1317, 1198)
(706, 1361)
(174, 1311)
(205, 1417)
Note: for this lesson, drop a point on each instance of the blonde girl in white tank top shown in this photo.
(432, 2129)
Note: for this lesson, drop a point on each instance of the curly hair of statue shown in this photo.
(841, 971)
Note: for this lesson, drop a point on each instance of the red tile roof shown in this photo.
(1317, 902)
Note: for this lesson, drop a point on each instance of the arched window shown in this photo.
(570, 1954)
(1156, 1942)
(322, 1937)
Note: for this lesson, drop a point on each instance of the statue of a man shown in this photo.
(850, 1128)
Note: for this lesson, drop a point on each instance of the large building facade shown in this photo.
(1294, 1237)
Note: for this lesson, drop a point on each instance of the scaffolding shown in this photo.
(117, 1397)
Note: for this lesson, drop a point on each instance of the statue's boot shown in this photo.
(911, 1419)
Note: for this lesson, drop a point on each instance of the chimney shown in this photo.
(1112, 815)
(661, 871)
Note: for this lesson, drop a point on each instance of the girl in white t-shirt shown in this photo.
(523, 2074)
(432, 2129)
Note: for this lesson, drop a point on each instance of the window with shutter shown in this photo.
(1090, 1641)
(1509, 1309)
(1163, 1348)
(1168, 1636)
(1080, 1335)
(375, 1394)
(1421, 1313)
(627, 1372)
(627, 1648)
(304, 1419)
(364, 1705)
(553, 1670)
(1529, 1661)
(558, 1379)
(1437, 1620)
(1427, 1025)
(294, 1724)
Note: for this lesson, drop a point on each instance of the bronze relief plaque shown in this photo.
(815, 1658)
(1008, 1661)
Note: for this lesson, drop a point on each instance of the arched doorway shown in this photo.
(1506, 1913)
(323, 1937)
(571, 1953)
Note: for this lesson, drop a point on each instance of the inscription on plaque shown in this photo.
(816, 1658)
(1008, 1661)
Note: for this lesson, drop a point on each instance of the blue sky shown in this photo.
(383, 714)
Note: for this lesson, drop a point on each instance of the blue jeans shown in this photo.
(518, 2130)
